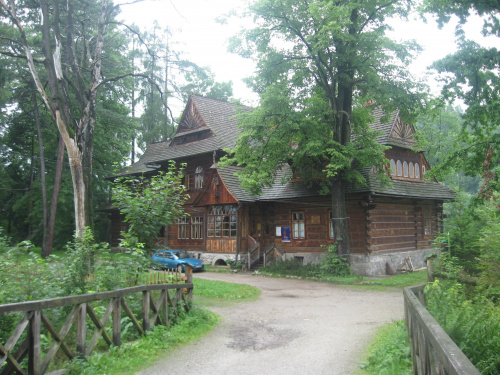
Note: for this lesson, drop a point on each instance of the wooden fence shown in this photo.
(433, 352)
(79, 308)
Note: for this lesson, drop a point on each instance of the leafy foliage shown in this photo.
(471, 75)
(149, 204)
(389, 353)
(318, 62)
(472, 322)
(329, 266)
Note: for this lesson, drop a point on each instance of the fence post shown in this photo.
(34, 344)
(145, 310)
(81, 329)
(117, 317)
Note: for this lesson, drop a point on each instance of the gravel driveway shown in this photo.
(295, 327)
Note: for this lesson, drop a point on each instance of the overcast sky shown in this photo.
(204, 41)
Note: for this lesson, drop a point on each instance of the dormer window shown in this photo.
(198, 178)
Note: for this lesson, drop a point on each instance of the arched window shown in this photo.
(423, 170)
(405, 169)
(198, 178)
(393, 167)
(399, 169)
(417, 171)
(412, 170)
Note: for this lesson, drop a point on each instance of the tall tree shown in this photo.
(69, 65)
(472, 76)
(318, 61)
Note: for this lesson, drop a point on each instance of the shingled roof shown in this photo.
(217, 117)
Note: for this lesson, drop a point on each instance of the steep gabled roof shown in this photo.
(206, 125)
(394, 132)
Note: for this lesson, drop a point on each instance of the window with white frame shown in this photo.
(298, 225)
(196, 227)
(183, 227)
(198, 178)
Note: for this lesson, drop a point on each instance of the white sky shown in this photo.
(204, 41)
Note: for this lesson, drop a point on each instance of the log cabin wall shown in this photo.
(316, 218)
(401, 225)
(186, 238)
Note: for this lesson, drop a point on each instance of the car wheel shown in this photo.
(180, 268)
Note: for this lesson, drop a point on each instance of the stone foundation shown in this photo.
(376, 264)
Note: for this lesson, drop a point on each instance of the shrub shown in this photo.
(389, 354)
(473, 324)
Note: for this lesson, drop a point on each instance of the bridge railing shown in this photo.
(433, 352)
(35, 315)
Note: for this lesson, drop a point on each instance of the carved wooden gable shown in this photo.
(191, 118)
(402, 131)
(192, 126)
(215, 192)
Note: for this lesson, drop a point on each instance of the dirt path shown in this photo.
(295, 327)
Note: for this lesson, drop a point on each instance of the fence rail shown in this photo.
(34, 317)
(433, 352)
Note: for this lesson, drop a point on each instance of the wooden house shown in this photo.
(387, 224)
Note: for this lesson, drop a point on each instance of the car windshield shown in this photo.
(182, 255)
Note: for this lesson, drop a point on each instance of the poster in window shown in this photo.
(278, 231)
(285, 234)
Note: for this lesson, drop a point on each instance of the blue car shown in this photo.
(176, 260)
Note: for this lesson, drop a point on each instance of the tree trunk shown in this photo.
(51, 223)
(42, 169)
(339, 214)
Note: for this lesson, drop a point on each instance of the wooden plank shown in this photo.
(145, 310)
(447, 353)
(81, 329)
(74, 300)
(58, 338)
(117, 318)
(100, 325)
(13, 362)
(132, 317)
(34, 344)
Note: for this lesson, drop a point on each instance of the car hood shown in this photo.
(192, 261)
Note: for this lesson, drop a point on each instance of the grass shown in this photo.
(389, 352)
(367, 283)
(159, 342)
(209, 293)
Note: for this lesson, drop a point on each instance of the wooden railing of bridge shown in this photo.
(34, 315)
(433, 352)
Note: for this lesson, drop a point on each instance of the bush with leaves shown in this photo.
(473, 322)
(149, 204)
(332, 264)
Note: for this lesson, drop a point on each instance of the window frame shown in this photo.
(183, 228)
(298, 225)
(197, 228)
(222, 221)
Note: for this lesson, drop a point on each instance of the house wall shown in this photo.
(317, 225)
(401, 224)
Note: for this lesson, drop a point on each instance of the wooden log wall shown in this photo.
(398, 225)
(317, 225)
(433, 352)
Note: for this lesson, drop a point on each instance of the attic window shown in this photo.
(198, 178)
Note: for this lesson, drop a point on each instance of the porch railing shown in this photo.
(433, 352)
(253, 251)
(34, 315)
(271, 255)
